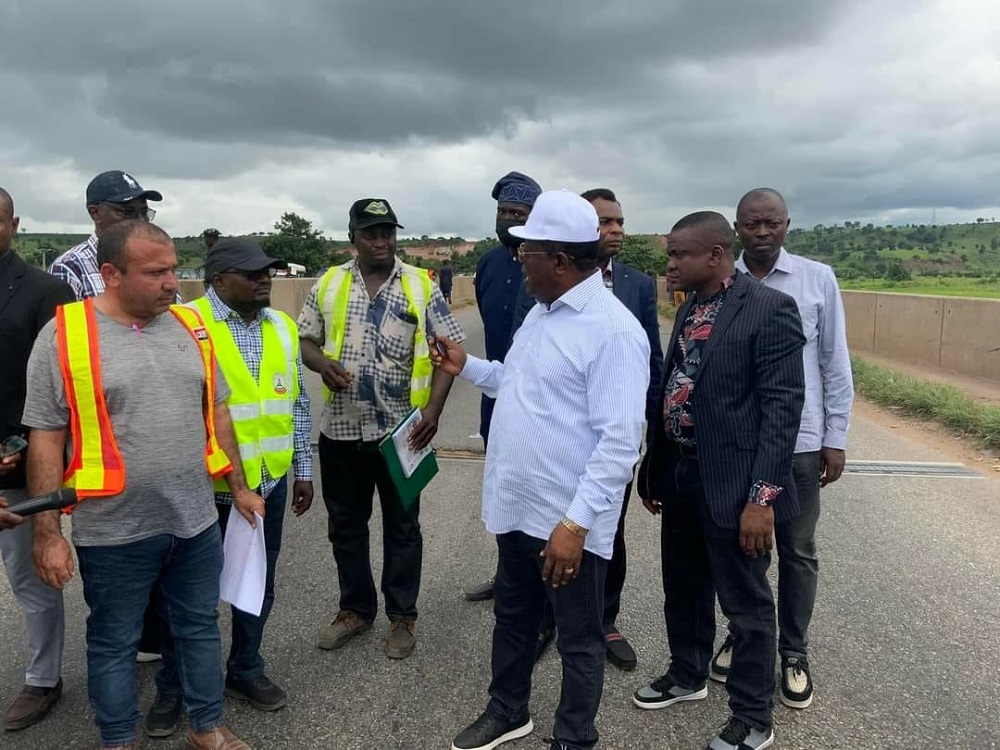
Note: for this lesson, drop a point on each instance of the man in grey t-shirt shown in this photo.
(161, 528)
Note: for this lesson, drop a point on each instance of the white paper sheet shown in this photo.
(409, 459)
(244, 570)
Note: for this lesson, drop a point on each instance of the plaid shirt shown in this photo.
(78, 268)
(377, 351)
(249, 340)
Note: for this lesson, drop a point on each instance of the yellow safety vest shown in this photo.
(332, 296)
(96, 468)
(261, 409)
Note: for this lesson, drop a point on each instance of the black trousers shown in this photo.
(518, 596)
(351, 471)
(700, 560)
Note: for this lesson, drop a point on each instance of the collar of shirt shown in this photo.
(576, 297)
(785, 263)
(727, 283)
(222, 311)
(397, 269)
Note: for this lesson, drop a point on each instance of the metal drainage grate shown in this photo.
(910, 469)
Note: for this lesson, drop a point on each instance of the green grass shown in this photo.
(943, 404)
(948, 286)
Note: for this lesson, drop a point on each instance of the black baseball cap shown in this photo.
(213, 232)
(238, 254)
(368, 212)
(117, 187)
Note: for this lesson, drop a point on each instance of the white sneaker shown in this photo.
(144, 657)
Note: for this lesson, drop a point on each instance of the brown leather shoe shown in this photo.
(31, 706)
(345, 626)
(220, 738)
(402, 638)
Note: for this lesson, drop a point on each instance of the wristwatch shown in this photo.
(574, 528)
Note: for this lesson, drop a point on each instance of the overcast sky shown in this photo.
(239, 110)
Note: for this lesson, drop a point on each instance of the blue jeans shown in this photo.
(518, 597)
(245, 661)
(116, 586)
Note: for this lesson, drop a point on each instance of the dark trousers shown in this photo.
(518, 596)
(245, 661)
(701, 559)
(351, 471)
(486, 406)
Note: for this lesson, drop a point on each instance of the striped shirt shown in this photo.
(377, 350)
(250, 342)
(571, 405)
(826, 415)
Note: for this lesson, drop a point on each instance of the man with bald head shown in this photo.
(718, 470)
(761, 223)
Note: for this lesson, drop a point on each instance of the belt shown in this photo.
(685, 451)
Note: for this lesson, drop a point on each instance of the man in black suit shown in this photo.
(28, 299)
(719, 471)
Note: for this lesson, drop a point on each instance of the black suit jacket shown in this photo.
(28, 300)
(637, 291)
(747, 402)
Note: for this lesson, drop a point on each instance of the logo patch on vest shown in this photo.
(279, 384)
(201, 334)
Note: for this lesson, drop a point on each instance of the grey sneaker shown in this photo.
(664, 692)
(738, 735)
(722, 660)
(345, 626)
(402, 638)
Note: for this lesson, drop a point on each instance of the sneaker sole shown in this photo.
(650, 706)
(513, 734)
(241, 696)
(165, 732)
(791, 703)
(718, 676)
(333, 644)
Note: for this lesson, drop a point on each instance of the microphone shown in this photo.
(61, 498)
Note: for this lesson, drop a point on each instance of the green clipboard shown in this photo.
(408, 487)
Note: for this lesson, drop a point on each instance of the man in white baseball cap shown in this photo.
(565, 435)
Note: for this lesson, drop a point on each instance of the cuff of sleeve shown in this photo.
(835, 439)
(764, 493)
(474, 369)
(581, 513)
(302, 470)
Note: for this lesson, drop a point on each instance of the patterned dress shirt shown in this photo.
(377, 351)
(250, 342)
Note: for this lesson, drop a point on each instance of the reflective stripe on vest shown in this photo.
(332, 297)
(96, 468)
(261, 409)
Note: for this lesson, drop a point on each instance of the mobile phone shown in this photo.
(13, 444)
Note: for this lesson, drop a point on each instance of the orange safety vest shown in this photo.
(96, 468)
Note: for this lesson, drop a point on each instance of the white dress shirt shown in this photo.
(826, 414)
(568, 422)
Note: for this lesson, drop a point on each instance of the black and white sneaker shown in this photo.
(738, 735)
(489, 732)
(796, 683)
(663, 692)
(722, 660)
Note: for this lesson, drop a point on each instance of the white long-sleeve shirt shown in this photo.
(826, 414)
(569, 417)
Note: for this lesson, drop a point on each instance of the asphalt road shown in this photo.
(904, 643)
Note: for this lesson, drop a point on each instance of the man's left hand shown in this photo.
(9, 463)
(756, 529)
(302, 497)
(426, 429)
(8, 520)
(563, 557)
(248, 503)
(831, 465)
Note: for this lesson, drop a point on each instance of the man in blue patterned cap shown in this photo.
(498, 285)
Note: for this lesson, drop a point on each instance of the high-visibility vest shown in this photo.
(261, 409)
(332, 296)
(96, 468)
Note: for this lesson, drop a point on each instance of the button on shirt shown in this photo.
(825, 358)
(569, 417)
(250, 342)
(377, 351)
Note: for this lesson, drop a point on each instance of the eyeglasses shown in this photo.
(254, 275)
(522, 253)
(132, 211)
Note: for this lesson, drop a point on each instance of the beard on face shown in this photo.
(504, 235)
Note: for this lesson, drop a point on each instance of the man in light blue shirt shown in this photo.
(761, 223)
(566, 431)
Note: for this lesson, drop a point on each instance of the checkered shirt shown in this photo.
(78, 268)
(377, 351)
(250, 341)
